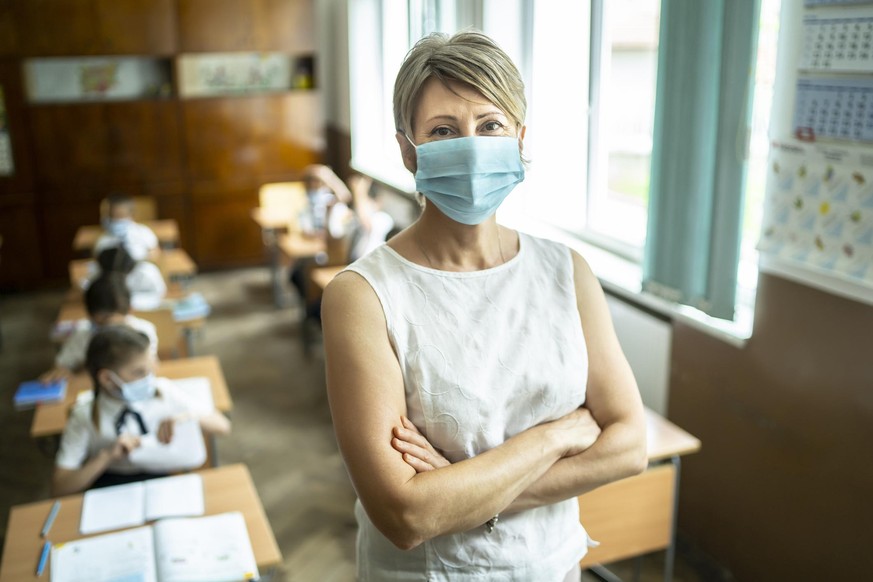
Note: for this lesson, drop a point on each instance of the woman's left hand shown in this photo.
(417, 451)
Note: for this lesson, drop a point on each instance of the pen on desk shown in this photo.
(53, 513)
(43, 558)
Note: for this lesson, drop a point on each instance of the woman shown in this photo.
(495, 345)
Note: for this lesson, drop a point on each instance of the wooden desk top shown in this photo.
(50, 419)
(268, 220)
(666, 440)
(295, 246)
(171, 262)
(228, 488)
(167, 232)
(324, 275)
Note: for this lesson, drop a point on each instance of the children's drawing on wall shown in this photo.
(7, 168)
(819, 212)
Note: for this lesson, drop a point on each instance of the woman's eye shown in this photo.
(441, 132)
(493, 126)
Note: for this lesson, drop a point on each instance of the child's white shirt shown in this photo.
(138, 241)
(82, 441)
(73, 352)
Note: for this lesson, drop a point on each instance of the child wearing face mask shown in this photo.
(107, 301)
(144, 279)
(121, 230)
(129, 404)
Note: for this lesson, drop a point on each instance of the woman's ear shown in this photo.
(407, 150)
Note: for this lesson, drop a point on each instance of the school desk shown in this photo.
(167, 232)
(637, 515)
(175, 264)
(272, 224)
(324, 275)
(225, 489)
(50, 419)
(175, 338)
(294, 246)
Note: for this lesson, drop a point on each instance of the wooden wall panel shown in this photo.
(57, 27)
(137, 26)
(59, 223)
(70, 145)
(144, 141)
(215, 25)
(781, 488)
(242, 137)
(8, 30)
(21, 253)
(224, 232)
(22, 179)
(284, 25)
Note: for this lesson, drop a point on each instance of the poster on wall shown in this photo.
(819, 211)
(7, 168)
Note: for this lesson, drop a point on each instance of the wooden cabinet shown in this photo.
(95, 27)
(137, 26)
(244, 25)
(21, 181)
(8, 32)
(70, 145)
(143, 141)
(224, 232)
(239, 137)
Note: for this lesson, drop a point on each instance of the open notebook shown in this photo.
(216, 548)
(136, 503)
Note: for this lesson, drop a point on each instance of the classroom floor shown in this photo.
(281, 426)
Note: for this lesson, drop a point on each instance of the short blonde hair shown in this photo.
(469, 57)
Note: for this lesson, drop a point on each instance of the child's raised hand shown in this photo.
(123, 445)
(416, 449)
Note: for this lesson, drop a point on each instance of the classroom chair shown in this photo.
(286, 199)
(144, 208)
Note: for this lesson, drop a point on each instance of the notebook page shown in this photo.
(185, 451)
(205, 549)
(127, 556)
(179, 496)
(199, 391)
(113, 508)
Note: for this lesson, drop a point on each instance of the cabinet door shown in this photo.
(21, 180)
(57, 27)
(70, 145)
(251, 136)
(144, 141)
(216, 25)
(136, 26)
(285, 26)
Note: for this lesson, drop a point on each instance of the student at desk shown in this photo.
(107, 300)
(121, 229)
(144, 279)
(129, 407)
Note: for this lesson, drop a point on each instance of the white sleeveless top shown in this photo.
(485, 355)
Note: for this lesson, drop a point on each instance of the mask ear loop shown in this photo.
(409, 140)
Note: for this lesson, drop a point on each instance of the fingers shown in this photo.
(417, 464)
(407, 424)
(410, 449)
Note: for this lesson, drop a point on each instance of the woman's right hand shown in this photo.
(576, 431)
(122, 446)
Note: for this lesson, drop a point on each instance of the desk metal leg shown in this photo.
(189, 342)
(269, 238)
(670, 558)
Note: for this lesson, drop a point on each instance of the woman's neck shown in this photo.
(451, 246)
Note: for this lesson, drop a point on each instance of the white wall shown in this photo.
(646, 343)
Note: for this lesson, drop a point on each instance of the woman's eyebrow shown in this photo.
(453, 118)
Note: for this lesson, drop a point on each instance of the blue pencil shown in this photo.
(43, 558)
(53, 513)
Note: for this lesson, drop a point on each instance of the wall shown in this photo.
(781, 489)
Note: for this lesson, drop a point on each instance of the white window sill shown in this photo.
(622, 278)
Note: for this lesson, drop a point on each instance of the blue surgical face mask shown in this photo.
(117, 227)
(136, 390)
(468, 178)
